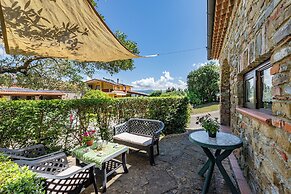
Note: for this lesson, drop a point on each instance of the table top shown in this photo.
(91, 154)
(223, 140)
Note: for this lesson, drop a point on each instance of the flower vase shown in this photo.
(90, 143)
(212, 135)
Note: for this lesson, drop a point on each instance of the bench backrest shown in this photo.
(28, 152)
(144, 126)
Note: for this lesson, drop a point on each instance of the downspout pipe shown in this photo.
(210, 23)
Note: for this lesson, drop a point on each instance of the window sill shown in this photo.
(263, 117)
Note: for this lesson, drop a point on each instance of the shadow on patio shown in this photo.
(176, 171)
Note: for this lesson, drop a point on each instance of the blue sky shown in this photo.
(159, 26)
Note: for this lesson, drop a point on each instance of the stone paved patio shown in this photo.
(175, 172)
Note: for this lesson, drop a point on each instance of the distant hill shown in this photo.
(145, 91)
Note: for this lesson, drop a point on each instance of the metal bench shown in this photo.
(59, 177)
(28, 153)
(141, 134)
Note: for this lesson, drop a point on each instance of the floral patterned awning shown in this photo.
(70, 29)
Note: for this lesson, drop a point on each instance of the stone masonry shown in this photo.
(260, 30)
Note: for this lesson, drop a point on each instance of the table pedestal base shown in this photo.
(209, 165)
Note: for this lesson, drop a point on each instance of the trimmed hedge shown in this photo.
(58, 123)
(15, 179)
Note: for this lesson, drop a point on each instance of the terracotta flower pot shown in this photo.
(89, 143)
(212, 135)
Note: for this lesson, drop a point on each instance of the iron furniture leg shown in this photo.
(206, 165)
(219, 159)
(212, 160)
(104, 177)
(124, 163)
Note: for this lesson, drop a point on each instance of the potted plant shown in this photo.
(88, 137)
(209, 124)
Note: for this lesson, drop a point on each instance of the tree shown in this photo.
(156, 93)
(174, 93)
(170, 89)
(51, 73)
(203, 84)
(93, 94)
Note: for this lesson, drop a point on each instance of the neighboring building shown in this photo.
(113, 89)
(251, 39)
(18, 93)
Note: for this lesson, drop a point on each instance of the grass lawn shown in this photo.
(205, 108)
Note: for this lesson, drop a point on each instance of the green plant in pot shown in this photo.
(210, 124)
(88, 137)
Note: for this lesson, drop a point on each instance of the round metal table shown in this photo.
(223, 141)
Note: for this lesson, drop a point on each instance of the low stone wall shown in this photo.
(259, 31)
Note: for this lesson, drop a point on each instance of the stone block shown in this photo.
(258, 50)
(282, 32)
(279, 164)
(283, 140)
(277, 123)
(276, 91)
(268, 170)
(255, 124)
(287, 89)
(281, 54)
(269, 132)
(286, 66)
(275, 69)
(281, 109)
(287, 127)
(284, 13)
(280, 78)
(267, 12)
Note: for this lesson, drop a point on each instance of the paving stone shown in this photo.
(175, 172)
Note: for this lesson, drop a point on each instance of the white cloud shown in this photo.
(198, 65)
(164, 82)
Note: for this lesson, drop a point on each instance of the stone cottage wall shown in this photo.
(260, 30)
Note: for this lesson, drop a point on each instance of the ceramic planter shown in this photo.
(212, 135)
(89, 143)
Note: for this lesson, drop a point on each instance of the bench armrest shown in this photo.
(158, 132)
(50, 176)
(47, 165)
(123, 127)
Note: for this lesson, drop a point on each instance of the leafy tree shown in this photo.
(94, 94)
(171, 89)
(156, 93)
(51, 73)
(178, 92)
(203, 84)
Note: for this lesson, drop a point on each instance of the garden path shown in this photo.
(193, 119)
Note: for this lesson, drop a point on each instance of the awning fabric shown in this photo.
(70, 29)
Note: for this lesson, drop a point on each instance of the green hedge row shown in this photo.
(58, 123)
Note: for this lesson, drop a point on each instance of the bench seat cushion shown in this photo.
(69, 170)
(133, 138)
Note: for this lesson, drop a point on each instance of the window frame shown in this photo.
(261, 68)
(258, 84)
(248, 76)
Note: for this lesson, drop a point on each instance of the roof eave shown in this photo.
(210, 23)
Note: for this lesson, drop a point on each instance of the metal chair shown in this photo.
(28, 153)
(141, 134)
(59, 177)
